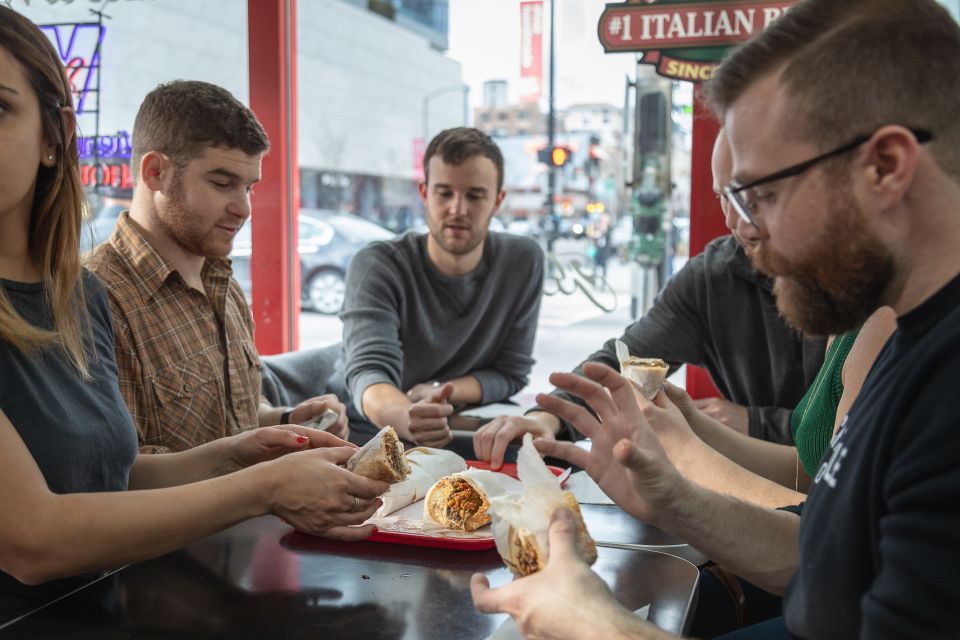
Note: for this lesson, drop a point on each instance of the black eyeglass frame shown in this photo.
(733, 189)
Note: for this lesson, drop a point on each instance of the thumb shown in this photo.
(442, 394)
(629, 455)
(677, 396)
(562, 535)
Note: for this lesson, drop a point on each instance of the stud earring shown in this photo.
(50, 157)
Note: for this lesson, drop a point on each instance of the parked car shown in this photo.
(327, 240)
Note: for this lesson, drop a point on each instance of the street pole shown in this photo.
(551, 210)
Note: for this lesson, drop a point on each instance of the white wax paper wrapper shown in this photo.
(532, 511)
(427, 465)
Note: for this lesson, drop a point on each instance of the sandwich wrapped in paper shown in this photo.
(460, 501)
(381, 459)
(647, 374)
(427, 465)
(521, 523)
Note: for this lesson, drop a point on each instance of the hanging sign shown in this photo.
(685, 39)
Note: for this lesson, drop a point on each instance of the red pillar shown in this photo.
(275, 267)
(706, 217)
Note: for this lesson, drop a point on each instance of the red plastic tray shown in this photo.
(463, 544)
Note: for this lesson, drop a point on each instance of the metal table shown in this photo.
(261, 579)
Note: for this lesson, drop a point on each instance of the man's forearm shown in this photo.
(384, 404)
(758, 544)
(466, 391)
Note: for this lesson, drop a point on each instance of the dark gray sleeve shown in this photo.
(672, 330)
(771, 424)
(510, 371)
(371, 325)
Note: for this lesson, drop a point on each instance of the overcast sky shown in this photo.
(485, 38)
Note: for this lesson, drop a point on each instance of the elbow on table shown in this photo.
(31, 564)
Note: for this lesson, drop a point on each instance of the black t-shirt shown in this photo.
(880, 532)
(79, 433)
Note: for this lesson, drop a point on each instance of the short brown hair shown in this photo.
(460, 143)
(852, 66)
(183, 117)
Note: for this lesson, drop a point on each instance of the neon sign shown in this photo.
(113, 146)
(116, 176)
(78, 45)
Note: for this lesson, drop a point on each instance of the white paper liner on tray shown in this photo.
(410, 519)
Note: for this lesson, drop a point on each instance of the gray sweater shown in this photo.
(405, 323)
(719, 313)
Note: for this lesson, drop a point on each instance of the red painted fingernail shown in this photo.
(301, 439)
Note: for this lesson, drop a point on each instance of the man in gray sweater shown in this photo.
(718, 312)
(444, 318)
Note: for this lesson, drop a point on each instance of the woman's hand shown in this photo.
(269, 443)
(311, 492)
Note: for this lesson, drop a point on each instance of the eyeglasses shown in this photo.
(745, 206)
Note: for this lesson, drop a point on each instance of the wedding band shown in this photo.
(356, 505)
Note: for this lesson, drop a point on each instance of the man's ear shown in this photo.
(154, 169)
(500, 197)
(891, 163)
(422, 187)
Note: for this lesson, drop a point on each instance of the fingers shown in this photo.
(364, 488)
(318, 439)
(485, 599)
(564, 450)
(281, 438)
(628, 455)
(431, 432)
(675, 393)
(436, 439)
(582, 419)
(621, 389)
(490, 442)
(563, 536)
(349, 534)
(429, 410)
(483, 438)
(336, 455)
(442, 394)
(591, 391)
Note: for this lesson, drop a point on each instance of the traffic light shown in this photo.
(556, 156)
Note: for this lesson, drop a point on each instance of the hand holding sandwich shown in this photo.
(564, 600)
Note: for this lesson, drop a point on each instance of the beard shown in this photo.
(457, 246)
(842, 279)
(186, 226)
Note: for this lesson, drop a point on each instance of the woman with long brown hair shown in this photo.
(77, 498)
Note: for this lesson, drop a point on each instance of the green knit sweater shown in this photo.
(814, 416)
